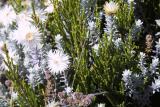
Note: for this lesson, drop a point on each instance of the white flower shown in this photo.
(7, 15)
(138, 23)
(53, 104)
(58, 61)
(126, 74)
(110, 8)
(27, 35)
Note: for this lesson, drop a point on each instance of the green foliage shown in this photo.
(27, 96)
(125, 17)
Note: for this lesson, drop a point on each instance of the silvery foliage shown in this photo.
(156, 83)
(137, 27)
(140, 86)
(111, 30)
(3, 103)
(35, 62)
(32, 61)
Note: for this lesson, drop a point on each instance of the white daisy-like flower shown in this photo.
(7, 15)
(110, 8)
(58, 61)
(27, 35)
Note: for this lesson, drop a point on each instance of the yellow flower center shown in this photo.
(29, 36)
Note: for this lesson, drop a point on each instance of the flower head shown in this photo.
(110, 8)
(7, 15)
(58, 61)
(27, 35)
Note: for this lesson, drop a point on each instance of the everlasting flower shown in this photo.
(7, 15)
(58, 61)
(110, 8)
(27, 35)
